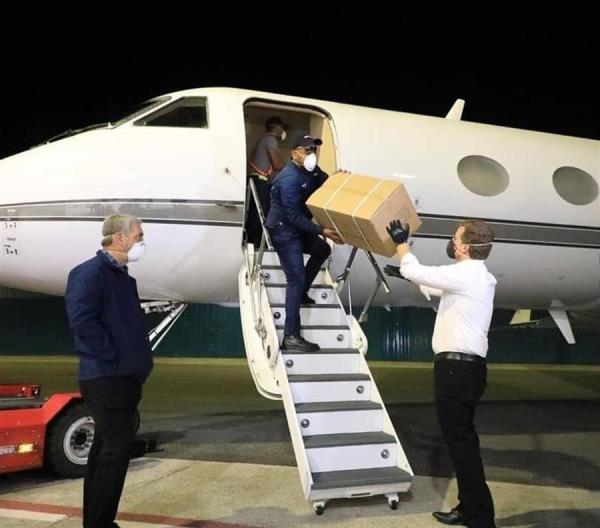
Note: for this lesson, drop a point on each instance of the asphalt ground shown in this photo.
(539, 427)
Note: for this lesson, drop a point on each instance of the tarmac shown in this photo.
(225, 459)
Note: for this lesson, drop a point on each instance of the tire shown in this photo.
(69, 440)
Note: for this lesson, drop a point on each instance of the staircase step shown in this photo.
(337, 406)
(320, 293)
(276, 275)
(339, 417)
(314, 314)
(270, 267)
(336, 418)
(322, 363)
(271, 258)
(359, 477)
(314, 286)
(345, 451)
(321, 378)
(318, 327)
(309, 388)
(324, 351)
(333, 336)
(347, 439)
(319, 306)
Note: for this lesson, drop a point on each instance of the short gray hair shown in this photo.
(118, 223)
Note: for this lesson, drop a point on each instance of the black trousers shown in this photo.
(459, 386)
(290, 247)
(112, 402)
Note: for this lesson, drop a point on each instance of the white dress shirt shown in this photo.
(466, 303)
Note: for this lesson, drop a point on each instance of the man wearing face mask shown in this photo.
(265, 165)
(114, 360)
(293, 234)
(460, 344)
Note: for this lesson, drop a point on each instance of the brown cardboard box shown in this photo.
(360, 208)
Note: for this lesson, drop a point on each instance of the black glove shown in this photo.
(398, 231)
(393, 271)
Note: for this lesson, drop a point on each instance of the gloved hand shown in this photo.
(398, 231)
(393, 271)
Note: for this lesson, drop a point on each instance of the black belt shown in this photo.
(458, 356)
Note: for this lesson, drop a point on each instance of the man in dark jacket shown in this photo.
(114, 360)
(293, 234)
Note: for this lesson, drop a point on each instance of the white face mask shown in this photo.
(136, 252)
(310, 162)
(283, 136)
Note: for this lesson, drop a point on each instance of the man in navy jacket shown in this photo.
(114, 360)
(293, 234)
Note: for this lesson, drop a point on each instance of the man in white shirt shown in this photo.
(460, 344)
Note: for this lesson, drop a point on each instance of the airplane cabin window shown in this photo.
(575, 185)
(188, 112)
(483, 176)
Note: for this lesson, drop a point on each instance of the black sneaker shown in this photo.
(308, 300)
(298, 343)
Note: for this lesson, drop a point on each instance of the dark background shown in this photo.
(536, 71)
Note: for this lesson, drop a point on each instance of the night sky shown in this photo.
(528, 74)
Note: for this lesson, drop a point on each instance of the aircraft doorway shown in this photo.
(298, 121)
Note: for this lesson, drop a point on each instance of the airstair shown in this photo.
(344, 441)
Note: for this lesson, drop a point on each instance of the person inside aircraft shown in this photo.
(264, 165)
(460, 345)
(293, 234)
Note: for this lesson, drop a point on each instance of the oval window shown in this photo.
(575, 185)
(483, 176)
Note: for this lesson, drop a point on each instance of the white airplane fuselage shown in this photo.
(188, 185)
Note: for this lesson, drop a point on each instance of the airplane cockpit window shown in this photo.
(142, 108)
(188, 112)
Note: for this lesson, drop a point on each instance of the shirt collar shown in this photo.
(112, 260)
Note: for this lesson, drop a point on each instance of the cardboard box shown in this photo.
(361, 207)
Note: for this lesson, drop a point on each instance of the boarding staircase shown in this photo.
(344, 442)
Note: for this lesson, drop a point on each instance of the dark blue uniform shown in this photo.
(293, 234)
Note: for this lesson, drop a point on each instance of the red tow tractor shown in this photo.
(56, 432)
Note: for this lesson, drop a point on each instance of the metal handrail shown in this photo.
(265, 238)
(253, 267)
(379, 273)
(381, 280)
(341, 279)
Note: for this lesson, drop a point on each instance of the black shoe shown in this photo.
(308, 300)
(298, 343)
(452, 517)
